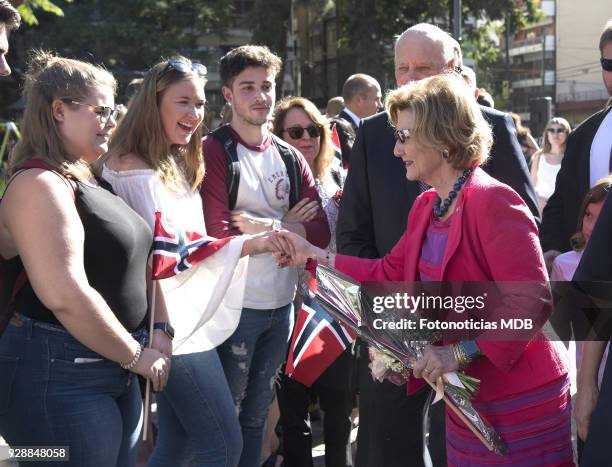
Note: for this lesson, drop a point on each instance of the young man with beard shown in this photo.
(254, 182)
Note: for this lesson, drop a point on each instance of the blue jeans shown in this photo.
(48, 399)
(198, 425)
(251, 358)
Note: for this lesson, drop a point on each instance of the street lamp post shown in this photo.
(457, 20)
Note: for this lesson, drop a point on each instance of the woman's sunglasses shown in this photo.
(402, 135)
(606, 64)
(103, 113)
(296, 132)
(555, 130)
(183, 67)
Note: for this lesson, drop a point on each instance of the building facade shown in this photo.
(579, 87)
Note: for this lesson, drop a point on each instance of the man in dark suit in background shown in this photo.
(588, 157)
(362, 98)
(373, 215)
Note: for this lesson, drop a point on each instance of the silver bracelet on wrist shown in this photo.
(132, 364)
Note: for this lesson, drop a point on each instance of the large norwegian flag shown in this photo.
(317, 341)
(202, 280)
(175, 251)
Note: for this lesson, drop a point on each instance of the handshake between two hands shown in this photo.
(288, 248)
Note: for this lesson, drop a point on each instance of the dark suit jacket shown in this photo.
(347, 131)
(596, 265)
(560, 216)
(377, 196)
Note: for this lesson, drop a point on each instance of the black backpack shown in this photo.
(223, 134)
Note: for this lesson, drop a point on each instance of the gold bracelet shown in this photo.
(460, 356)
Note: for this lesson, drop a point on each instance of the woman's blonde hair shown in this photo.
(546, 148)
(50, 78)
(599, 192)
(446, 117)
(325, 157)
(141, 131)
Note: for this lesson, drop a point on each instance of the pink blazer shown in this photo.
(492, 237)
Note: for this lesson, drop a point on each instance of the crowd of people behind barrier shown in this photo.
(434, 187)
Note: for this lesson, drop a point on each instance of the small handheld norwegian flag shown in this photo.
(317, 341)
(335, 139)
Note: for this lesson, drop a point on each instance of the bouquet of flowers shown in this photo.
(396, 348)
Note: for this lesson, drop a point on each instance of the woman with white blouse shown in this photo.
(546, 162)
(155, 164)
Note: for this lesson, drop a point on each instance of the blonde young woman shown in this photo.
(76, 338)
(155, 164)
(546, 162)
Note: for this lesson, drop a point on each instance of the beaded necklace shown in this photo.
(441, 207)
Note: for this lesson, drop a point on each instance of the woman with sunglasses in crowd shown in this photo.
(76, 337)
(155, 164)
(470, 227)
(299, 123)
(546, 163)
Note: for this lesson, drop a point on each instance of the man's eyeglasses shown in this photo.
(555, 130)
(296, 132)
(606, 64)
(402, 135)
(104, 113)
(183, 67)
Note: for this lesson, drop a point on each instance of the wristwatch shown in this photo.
(166, 328)
(471, 349)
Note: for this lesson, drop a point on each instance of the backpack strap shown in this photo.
(290, 159)
(223, 134)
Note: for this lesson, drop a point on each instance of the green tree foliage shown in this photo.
(128, 34)
(28, 7)
(270, 23)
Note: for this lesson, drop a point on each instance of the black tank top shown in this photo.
(116, 248)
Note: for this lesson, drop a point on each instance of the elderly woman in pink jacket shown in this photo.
(469, 227)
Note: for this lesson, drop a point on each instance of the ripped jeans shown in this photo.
(251, 358)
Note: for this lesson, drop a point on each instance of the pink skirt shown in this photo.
(535, 426)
